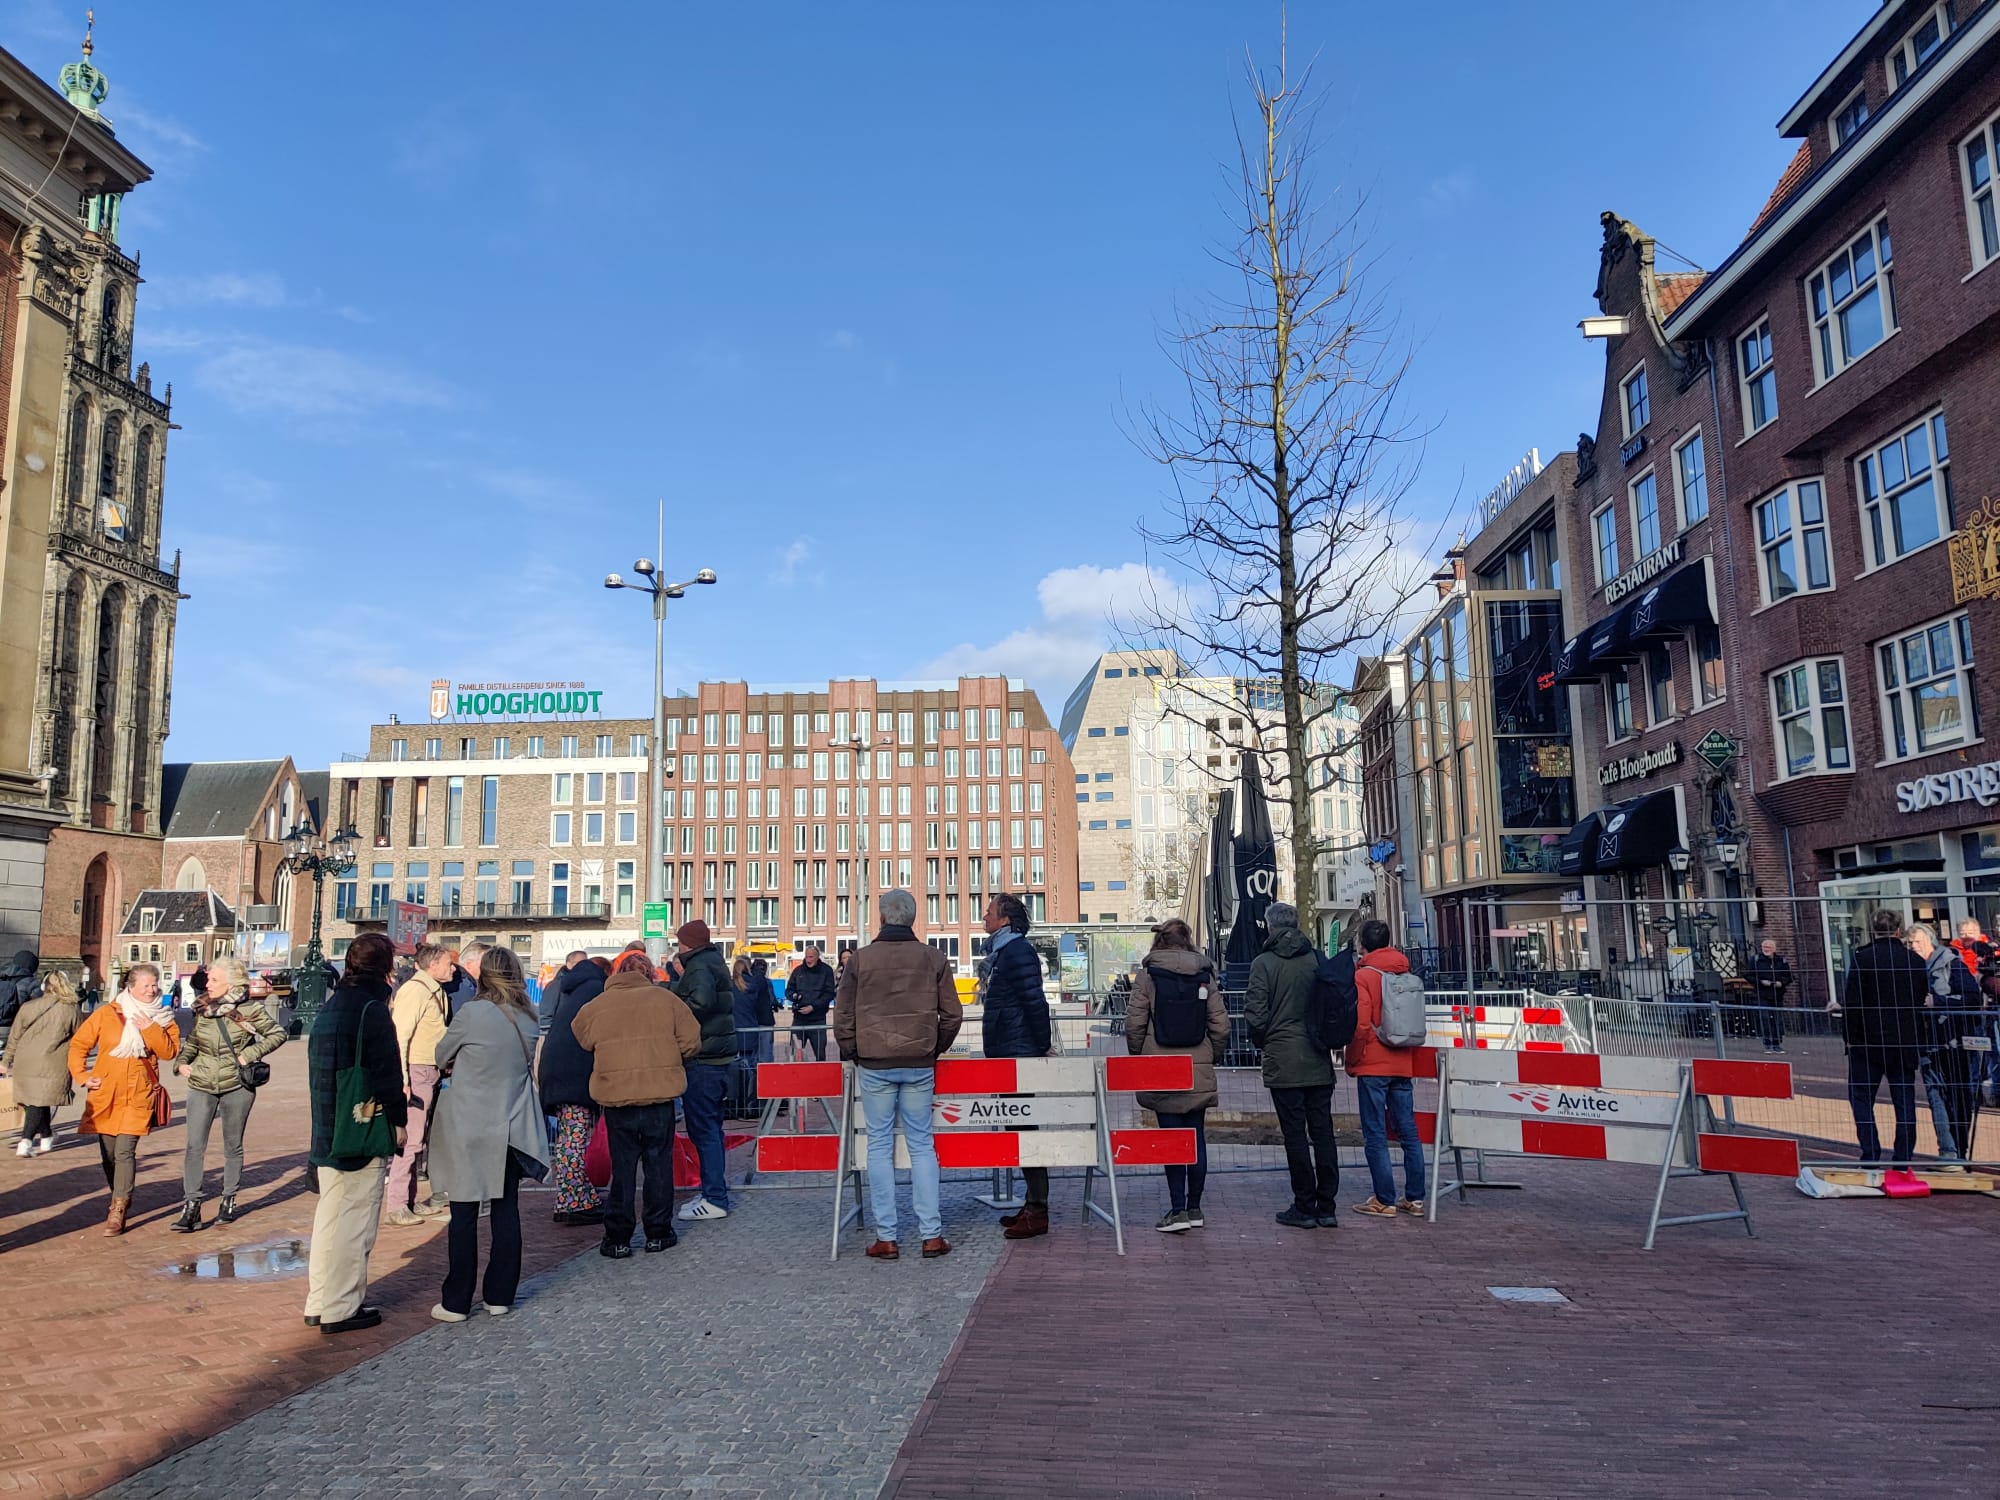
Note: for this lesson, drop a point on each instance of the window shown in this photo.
(626, 888)
(416, 882)
(1095, 734)
(1758, 378)
(638, 745)
(501, 747)
(1976, 160)
(559, 826)
(1791, 535)
(1638, 407)
(568, 747)
(1927, 688)
(1645, 515)
(628, 828)
(1849, 118)
(628, 786)
(1604, 527)
(399, 749)
(1809, 703)
(489, 811)
(732, 729)
(534, 747)
(1711, 681)
(454, 811)
(1922, 42)
(1691, 480)
(523, 892)
(1617, 708)
(1659, 683)
(434, 749)
(711, 729)
(1853, 301)
(1906, 491)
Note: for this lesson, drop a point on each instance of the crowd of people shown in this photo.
(441, 1069)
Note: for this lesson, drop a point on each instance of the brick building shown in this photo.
(788, 807)
(1850, 341)
(527, 833)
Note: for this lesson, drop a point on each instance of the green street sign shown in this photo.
(656, 920)
(1717, 748)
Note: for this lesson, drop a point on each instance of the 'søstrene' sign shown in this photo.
(512, 700)
(1979, 784)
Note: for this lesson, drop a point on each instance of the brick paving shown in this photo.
(112, 1362)
(1246, 1359)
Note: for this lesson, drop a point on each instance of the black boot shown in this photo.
(190, 1219)
(225, 1212)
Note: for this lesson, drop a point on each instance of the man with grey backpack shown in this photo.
(1382, 1059)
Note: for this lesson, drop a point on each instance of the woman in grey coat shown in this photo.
(488, 1134)
(37, 1058)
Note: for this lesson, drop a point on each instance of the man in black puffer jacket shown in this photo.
(809, 991)
(19, 983)
(1015, 1023)
(704, 984)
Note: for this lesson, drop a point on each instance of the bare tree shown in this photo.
(1285, 548)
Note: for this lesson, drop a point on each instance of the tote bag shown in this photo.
(360, 1125)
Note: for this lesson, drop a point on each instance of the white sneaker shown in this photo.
(445, 1315)
(493, 1311)
(45, 1145)
(701, 1208)
(25, 1148)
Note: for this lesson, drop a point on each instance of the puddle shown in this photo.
(248, 1263)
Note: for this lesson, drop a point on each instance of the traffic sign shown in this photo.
(1717, 748)
(656, 919)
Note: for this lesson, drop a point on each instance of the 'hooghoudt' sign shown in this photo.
(1979, 784)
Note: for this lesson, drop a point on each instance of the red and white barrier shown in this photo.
(1645, 1111)
(975, 1093)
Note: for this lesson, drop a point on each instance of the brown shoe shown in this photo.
(1008, 1221)
(884, 1250)
(1034, 1221)
(114, 1222)
(935, 1247)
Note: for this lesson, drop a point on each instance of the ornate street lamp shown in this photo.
(308, 853)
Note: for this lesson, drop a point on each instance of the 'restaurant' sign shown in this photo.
(1647, 568)
(1632, 767)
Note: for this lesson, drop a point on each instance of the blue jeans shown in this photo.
(890, 1095)
(1184, 1184)
(1385, 1100)
(702, 1106)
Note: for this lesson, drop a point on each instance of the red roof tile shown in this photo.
(1676, 287)
(1788, 183)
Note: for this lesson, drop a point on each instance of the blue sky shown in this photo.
(861, 291)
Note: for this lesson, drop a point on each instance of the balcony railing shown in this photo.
(472, 911)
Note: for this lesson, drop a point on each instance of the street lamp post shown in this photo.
(307, 852)
(656, 881)
(862, 747)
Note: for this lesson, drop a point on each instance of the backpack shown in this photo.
(1403, 1022)
(1333, 1007)
(1180, 1007)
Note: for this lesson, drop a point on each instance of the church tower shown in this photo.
(104, 686)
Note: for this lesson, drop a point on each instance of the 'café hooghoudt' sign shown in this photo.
(512, 700)
(1979, 784)
(1630, 767)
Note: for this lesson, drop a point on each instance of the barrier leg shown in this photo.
(1110, 1169)
(1685, 1127)
(845, 1155)
(1003, 1194)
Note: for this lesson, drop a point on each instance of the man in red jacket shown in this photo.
(1382, 1077)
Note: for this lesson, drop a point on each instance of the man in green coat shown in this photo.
(1298, 1074)
(704, 985)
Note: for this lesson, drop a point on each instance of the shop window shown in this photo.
(1927, 687)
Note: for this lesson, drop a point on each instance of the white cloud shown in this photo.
(434, 147)
(793, 558)
(842, 340)
(1081, 610)
(1446, 193)
(302, 380)
(163, 130)
(230, 288)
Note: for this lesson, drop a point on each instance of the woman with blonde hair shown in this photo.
(228, 1037)
(489, 1133)
(122, 1098)
(35, 1059)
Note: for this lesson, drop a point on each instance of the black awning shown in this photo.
(1678, 602)
(1635, 835)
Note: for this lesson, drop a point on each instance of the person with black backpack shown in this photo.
(1175, 1007)
(1283, 1010)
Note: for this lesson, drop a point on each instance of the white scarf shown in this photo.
(136, 1014)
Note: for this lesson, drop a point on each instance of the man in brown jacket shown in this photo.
(639, 1036)
(896, 1012)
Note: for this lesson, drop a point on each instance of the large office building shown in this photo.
(528, 833)
(1153, 746)
(790, 811)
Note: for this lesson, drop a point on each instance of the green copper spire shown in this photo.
(81, 81)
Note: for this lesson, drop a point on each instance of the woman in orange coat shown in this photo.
(132, 1036)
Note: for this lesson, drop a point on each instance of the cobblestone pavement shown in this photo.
(740, 1363)
(112, 1359)
(1846, 1351)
